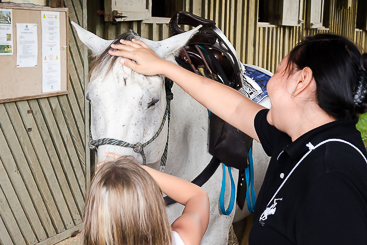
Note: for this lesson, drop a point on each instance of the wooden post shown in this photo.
(87, 106)
(56, 3)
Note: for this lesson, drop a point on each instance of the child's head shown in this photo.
(125, 206)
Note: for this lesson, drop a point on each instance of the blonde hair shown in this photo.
(125, 207)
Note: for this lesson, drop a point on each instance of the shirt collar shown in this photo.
(333, 129)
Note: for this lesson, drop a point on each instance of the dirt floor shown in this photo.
(232, 238)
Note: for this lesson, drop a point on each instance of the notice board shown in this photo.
(26, 71)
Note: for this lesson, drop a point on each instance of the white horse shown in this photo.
(129, 107)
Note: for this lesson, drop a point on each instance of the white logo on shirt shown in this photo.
(269, 211)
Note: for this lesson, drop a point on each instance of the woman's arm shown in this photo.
(222, 100)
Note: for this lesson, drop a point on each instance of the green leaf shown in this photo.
(362, 127)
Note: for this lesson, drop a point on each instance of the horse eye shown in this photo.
(153, 103)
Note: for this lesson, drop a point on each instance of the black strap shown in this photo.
(241, 189)
(201, 179)
(183, 64)
(217, 66)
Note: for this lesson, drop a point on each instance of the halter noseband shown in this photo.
(139, 147)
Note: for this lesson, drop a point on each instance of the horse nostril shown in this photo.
(153, 103)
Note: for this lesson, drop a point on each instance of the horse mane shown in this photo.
(105, 58)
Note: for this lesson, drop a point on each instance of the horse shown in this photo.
(130, 110)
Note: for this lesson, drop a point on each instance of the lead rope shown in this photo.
(139, 147)
(250, 185)
(223, 189)
(222, 192)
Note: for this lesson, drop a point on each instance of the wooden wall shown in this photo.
(275, 42)
(44, 162)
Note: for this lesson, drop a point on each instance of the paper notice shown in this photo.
(27, 45)
(35, 2)
(6, 32)
(51, 65)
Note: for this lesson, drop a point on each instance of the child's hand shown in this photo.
(147, 62)
(108, 155)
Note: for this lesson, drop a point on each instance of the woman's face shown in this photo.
(280, 88)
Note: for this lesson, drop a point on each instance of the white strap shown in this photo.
(310, 149)
(176, 239)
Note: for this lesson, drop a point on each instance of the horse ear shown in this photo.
(96, 44)
(169, 48)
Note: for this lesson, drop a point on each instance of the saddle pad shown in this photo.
(261, 78)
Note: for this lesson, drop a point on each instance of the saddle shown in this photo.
(210, 54)
(208, 49)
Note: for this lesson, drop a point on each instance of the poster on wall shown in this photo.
(35, 2)
(51, 65)
(27, 45)
(6, 32)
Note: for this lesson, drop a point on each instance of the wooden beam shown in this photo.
(61, 236)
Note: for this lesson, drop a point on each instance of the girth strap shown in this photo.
(201, 179)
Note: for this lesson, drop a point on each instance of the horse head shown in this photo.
(128, 108)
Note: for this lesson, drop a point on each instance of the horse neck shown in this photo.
(188, 135)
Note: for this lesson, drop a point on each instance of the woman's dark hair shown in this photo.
(338, 69)
(364, 61)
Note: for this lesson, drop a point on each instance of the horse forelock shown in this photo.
(107, 60)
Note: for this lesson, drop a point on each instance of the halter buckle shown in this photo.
(138, 148)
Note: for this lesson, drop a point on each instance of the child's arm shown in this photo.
(192, 224)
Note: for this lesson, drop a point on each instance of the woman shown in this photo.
(125, 207)
(315, 188)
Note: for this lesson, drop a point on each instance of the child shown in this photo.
(125, 206)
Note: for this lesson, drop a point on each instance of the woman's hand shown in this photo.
(147, 62)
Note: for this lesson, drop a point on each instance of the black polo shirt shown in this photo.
(324, 199)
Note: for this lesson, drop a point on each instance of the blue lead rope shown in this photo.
(223, 190)
(249, 171)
